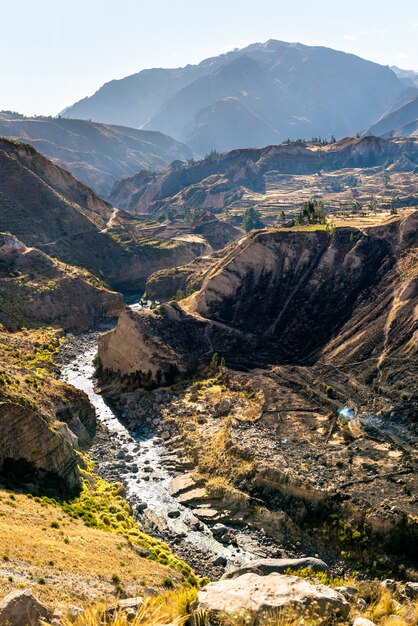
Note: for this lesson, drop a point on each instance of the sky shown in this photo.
(55, 52)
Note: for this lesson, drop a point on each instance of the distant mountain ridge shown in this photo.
(402, 122)
(260, 95)
(220, 180)
(96, 154)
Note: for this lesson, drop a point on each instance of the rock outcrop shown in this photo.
(32, 452)
(21, 608)
(258, 596)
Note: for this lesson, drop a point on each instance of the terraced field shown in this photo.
(343, 191)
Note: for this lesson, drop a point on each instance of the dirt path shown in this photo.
(110, 221)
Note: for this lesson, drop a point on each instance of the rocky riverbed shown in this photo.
(131, 446)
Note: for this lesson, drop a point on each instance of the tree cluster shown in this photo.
(313, 212)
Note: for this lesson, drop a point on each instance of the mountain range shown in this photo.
(259, 95)
(401, 122)
(96, 154)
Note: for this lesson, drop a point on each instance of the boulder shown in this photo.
(21, 608)
(263, 567)
(363, 621)
(219, 529)
(259, 595)
(411, 590)
(347, 592)
(389, 583)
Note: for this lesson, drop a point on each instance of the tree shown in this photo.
(393, 203)
(313, 212)
(373, 205)
(251, 220)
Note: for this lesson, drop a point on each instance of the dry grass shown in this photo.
(27, 371)
(167, 608)
(60, 559)
(176, 609)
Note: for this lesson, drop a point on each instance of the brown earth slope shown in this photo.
(279, 297)
(46, 207)
(34, 288)
(319, 423)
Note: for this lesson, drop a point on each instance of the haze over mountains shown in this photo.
(96, 154)
(402, 122)
(256, 96)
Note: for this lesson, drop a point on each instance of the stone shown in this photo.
(361, 602)
(219, 560)
(21, 608)
(219, 529)
(165, 436)
(181, 484)
(222, 408)
(127, 605)
(411, 590)
(173, 514)
(389, 583)
(363, 621)
(264, 567)
(348, 592)
(259, 595)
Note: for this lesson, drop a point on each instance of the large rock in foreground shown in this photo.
(256, 595)
(21, 608)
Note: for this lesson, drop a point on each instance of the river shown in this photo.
(141, 470)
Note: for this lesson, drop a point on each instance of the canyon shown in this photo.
(208, 365)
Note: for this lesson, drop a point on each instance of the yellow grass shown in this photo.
(71, 563)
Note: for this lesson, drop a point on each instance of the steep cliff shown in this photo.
(43, 422)
(288, 298)
(32, 452)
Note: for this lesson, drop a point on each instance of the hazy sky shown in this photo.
(54, 52)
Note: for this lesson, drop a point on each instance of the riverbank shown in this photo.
(137, 457)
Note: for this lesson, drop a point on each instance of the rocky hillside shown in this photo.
(288, 298)
(45, 207)
(253, 177)
(96, 154)
(251, 97)
(37, 288)
(312, 411)
(43, 422)
(401, 122)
